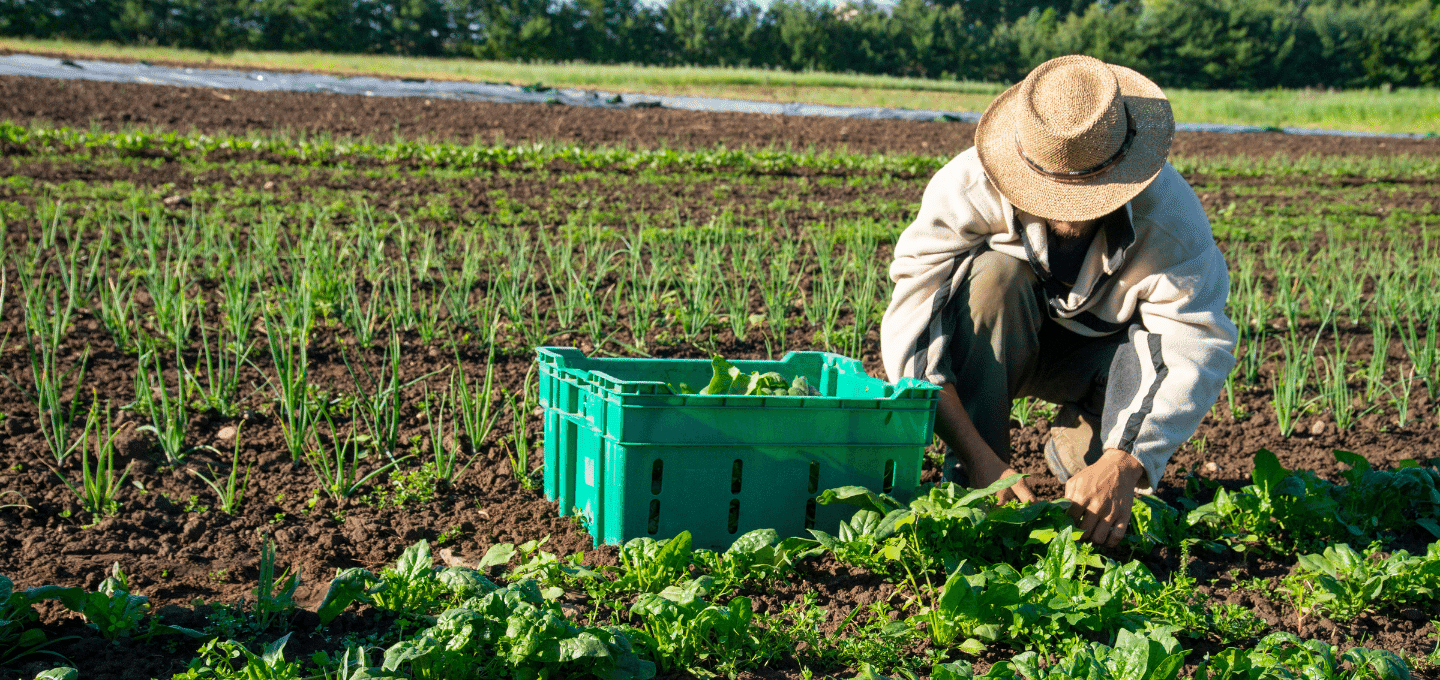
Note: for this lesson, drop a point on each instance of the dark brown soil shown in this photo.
(78, 103)
(177, 553)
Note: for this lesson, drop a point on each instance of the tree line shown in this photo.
(1211, 44)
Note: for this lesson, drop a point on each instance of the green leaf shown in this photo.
(498, 554)
(61, 673)
(273, 654)
(973, 647)
(722, 374)
(344, 589)
(73, 598)
(997, 487)
(754, 541)
(583, 646)
(465, 582)
(829, 542)
(415, 563)
(859, 496)
(1386, 664)
(409, 650)
(1268, 471)
(1358, 466)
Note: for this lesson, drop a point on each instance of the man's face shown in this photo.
(1066, 229)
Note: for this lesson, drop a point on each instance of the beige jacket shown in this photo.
(1165, 273)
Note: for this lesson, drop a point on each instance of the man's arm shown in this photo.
(953, 425)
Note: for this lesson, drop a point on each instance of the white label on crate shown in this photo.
(590, 471)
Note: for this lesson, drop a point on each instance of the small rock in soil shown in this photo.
(225, 433)
(1212, 467)
(1318, 428)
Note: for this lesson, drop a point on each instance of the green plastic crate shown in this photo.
(635, 459)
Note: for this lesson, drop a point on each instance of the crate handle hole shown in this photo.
(734, 524)
(657, 471)
(810, 514)
(889, 476)
(654, 526)
(735, 474)
(814, 476)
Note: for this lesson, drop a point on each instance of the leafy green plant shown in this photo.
(648, 565)
(218, 660)
(938, 530)
(1283, 510)
(112, 610)
(730, 380)
(1281, 655)
(412, 587)
(1134, 657)
(681, 631)
(541, 567)
(755, 557)
(19, 637)
(1341, 583)
(514, 632)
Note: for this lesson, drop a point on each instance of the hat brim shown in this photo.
(1092, 197)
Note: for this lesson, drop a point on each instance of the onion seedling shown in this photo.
(337, 464)
(99, 487)
(518, 449)
(476, 406)
(168, 415)
(116, 311)
(1292, 375)
(231, 490)
(290, 356)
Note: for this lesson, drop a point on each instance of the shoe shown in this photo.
(1074, 442)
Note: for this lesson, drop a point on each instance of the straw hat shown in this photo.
(1076, 139)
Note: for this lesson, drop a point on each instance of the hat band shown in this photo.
(1074, 175)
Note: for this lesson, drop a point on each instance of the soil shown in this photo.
(78, 103)
(179, 550)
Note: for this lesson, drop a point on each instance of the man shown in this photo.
(1063, 258)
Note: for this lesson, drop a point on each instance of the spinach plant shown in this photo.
(514, 632)
(680, 630)
(1282, 656)
(1342, 583)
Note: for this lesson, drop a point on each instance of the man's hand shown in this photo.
(1101, 496)
(986, 470)
(955, 428)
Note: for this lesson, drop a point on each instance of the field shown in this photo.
(234, 320)
(1405, 110)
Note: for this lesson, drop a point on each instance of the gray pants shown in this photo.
(1005, 346)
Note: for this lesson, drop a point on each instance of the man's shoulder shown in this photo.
(963, 176)
(1168, 210)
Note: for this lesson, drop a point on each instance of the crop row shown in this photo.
(323, 149)
(971, 578)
